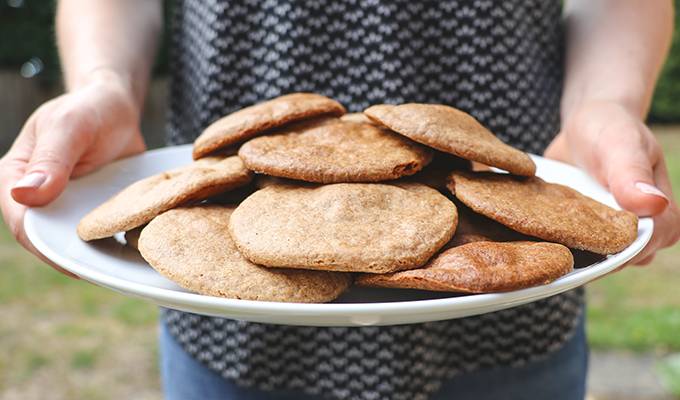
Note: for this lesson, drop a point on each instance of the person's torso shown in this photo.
(500, 61)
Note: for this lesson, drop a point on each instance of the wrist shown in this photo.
(630, 93)
(598, 105)
(110, 78)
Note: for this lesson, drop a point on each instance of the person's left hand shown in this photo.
(615, 146)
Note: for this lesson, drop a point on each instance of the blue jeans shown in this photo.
(560, 376)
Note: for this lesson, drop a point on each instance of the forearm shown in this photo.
(108, 39)
(615, 50)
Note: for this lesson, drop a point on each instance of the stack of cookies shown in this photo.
(315, 200)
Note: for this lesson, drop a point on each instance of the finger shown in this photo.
(12, 168)
(13, 212)
(670, 219)
(665, 233)
(652, 246)
(55, 154)
(21, 237)
(29, 246)
(645, 261)
(667, 224)
(630, 177)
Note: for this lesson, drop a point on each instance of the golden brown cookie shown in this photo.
(192, 247)
(483, 267)
(250, 121)
(138, 203)
(453, 131)
(545, 210)
(344, 227)
(473, 227)
(335, 152)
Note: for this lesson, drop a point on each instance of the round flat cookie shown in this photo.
(138, 203)
(250, 121)
(335, 152)
(453, 131)
(473, 227)
(192, 247)
(548, 211)
(344, 227)
(483, 267)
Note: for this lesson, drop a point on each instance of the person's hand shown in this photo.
(615, 146)
(66, 137)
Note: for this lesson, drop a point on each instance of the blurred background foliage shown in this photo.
(27, 32)
(25, 36)
(665, 106)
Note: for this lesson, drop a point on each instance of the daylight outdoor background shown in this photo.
(67, 339)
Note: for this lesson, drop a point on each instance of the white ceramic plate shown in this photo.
(52, 230)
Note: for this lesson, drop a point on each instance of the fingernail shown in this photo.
(646, 188)
(30, 181)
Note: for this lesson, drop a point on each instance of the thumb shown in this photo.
(50, 166)
(630, 177)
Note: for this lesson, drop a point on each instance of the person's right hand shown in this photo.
(66, 137)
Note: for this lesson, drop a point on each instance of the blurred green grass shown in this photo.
(67, 339)
(74, 340)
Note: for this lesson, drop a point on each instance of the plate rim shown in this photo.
(193, 300)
